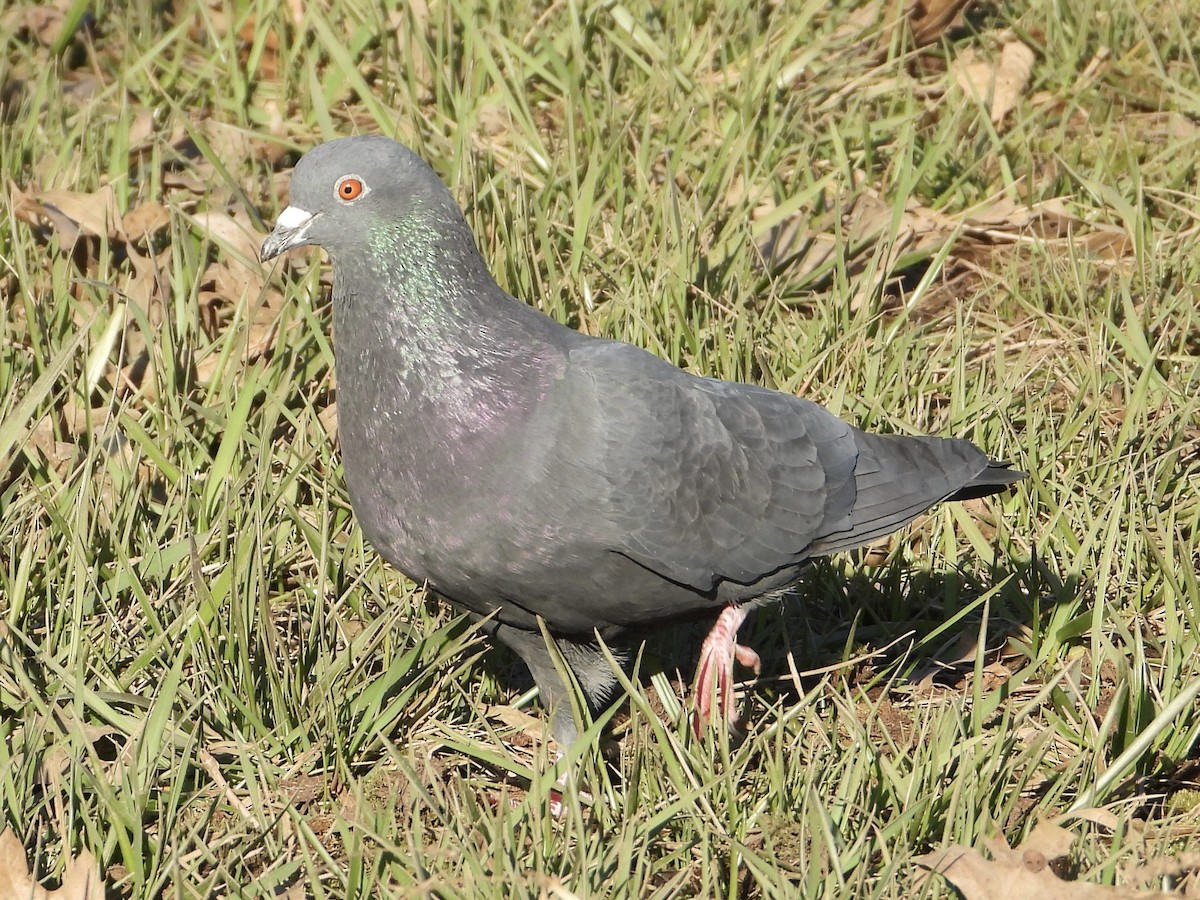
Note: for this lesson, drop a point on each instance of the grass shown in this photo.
(212, 684)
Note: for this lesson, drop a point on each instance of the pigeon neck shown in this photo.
(423, 327)
(420, 285)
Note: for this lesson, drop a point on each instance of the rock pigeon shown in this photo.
(527, 472)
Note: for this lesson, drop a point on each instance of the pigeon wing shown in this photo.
(705, 480)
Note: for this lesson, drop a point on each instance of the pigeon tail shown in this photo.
(896, 478)
(997, 477)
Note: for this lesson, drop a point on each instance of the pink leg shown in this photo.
(554, 799)
(557, 810)
(714, 671)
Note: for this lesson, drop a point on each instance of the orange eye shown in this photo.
(350, 188)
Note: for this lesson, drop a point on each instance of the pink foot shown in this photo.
(554, 798)
(714, 671)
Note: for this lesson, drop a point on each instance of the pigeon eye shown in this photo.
(350, 188)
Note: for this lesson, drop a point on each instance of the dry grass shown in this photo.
(209, 682)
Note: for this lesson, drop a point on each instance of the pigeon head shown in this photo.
(364, 194)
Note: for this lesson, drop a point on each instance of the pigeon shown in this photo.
(560, 486)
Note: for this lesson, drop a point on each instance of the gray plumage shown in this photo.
(523, 470)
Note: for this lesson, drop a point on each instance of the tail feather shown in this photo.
(998, 476)
(897, 478)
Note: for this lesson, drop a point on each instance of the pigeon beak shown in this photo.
(291, 230)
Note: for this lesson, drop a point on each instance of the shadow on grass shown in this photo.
(867, 624)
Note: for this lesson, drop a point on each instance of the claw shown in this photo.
(714, 671)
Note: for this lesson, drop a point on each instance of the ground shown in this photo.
(975, 221)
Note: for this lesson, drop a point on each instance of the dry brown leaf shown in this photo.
(227, 279)
(81, 880)
(268, 59)
(80, 87)
(69, 421)
(220, 21)
(148, 131)
(148, 288)
(232, 230)
(144, 219)
(872, 223)
(1097, 815)
(493, 117)
(741, 193)
(150, 285)
(930, 19)
(861, 21)
(1012, 77)
(228, 141)
(141, 130)
(1107, 242)
(517, 719)
(262, 333)
(71, 213)
(1020, 873)
(973, 74)
(236, 277)
(174, 178)
(804, 251)
(41, 442)
(44, 21)
(926, 21)
(60, 758)
(328, 418)
(233, 142)
(998, 84)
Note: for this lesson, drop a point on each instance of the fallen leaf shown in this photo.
(926, 21)
(518, 719)
(236, 276)
(994, 675)
(869, 226)
(1022, 872)
(233, 231)
(141, 130)
(872, 235)
(233, 142)
(72, 213)
(43, 21)
(998, 84)
(62, 756)
(493, 117)
(1050, 841)
(144, 219)
(1097, 816)
(930, 19)
(1012, 77)
(80, 881)
(150, 283)
(268, 58)
(328, 419)
(175, 178)
(148, 288)
(80, 87)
